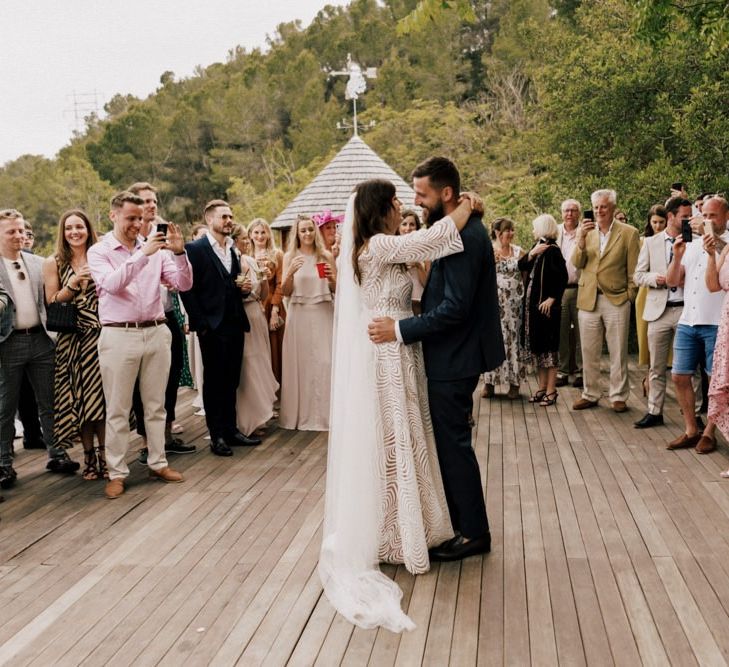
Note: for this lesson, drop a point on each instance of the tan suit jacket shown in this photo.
(611, 272)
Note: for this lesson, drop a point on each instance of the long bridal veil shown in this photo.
(348, 562)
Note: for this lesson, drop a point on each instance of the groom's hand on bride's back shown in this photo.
(382, 330)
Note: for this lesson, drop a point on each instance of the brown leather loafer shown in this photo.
(114, 488)
(705, 445)
(619, 406)
(583, 404)
(166, 475)
(684, 441)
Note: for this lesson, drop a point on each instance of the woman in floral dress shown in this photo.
(511, 294)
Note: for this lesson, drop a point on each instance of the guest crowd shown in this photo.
(93, 338)
(571, 294)
(96, 339)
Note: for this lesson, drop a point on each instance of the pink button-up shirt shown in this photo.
(128, 282)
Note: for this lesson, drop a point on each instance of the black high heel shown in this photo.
(549, 399)
(538, 396)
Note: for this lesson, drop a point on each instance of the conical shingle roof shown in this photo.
(356, 162)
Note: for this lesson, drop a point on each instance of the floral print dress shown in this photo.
(511, 296)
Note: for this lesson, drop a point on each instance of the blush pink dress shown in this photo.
(719, 388)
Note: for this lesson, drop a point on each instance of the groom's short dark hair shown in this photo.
(441, 172)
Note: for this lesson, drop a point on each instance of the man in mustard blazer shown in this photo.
(606, 253)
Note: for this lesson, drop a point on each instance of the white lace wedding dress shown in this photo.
(384, 497)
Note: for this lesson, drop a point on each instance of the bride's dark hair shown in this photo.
(372, 205)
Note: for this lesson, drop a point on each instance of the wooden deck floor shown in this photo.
(607, 550)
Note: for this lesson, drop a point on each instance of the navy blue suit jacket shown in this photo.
(460, 326)
(214, 295)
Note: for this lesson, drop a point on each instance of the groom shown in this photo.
(461, 334)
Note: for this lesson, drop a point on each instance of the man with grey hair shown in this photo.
(25, 346)
(606, 253)
(570, 355)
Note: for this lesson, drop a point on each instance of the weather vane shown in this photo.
(356, 85)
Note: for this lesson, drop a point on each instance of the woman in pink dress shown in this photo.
(717, 278)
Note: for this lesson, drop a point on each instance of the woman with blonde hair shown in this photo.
(546, 282)
(511, 295)
(257, 388)
(268, 256)
(309, 281)
(78, 393)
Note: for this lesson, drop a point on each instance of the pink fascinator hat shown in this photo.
(322, 218)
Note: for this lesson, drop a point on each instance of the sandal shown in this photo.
(90, 472)
(101, 457)
(538, 396)
(549, 399)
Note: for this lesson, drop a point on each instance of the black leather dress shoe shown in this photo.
(458, 548)
(562, 380)
(649, 420)
(240, 440)
(63, 465)
(220, 448)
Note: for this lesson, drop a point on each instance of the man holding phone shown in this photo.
(134, 340)
(696, 331)
(663, 306)
(153, 223)
(606, 253)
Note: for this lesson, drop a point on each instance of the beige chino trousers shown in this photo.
(124, 355)
(612, 323)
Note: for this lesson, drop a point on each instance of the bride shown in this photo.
(384, 494)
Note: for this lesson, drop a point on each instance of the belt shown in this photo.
(572, 286)
(136, 325)
(674, 304)
(32, 330)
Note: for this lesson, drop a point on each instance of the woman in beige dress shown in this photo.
(257, 389)
(267, 254)
(307, 343)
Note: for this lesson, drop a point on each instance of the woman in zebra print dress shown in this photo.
(384, 496)
(79, 396)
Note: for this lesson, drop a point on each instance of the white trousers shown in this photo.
(611, 323)
(124, 355)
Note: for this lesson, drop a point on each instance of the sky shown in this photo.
(65, 58)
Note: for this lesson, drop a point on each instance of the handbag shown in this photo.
(61, 317)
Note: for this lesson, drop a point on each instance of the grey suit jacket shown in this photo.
(652, 263)
(34, 264)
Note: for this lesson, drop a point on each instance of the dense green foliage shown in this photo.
(535, 101)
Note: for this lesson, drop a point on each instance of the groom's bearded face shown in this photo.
(428, 198)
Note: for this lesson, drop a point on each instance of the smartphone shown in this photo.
(588, 215)
(686, 233)
(162, 228)
(677, 186)
(708, 227)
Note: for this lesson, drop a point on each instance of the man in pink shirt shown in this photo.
(134, 339)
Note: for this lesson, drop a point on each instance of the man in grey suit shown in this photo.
(25, 346)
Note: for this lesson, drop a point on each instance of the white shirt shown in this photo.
(700, 305)
(223, 253)
(568, 243)
(26, 309)
(604, 238)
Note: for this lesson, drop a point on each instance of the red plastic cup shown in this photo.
(321, 268)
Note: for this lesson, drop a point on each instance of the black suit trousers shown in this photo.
(451, 406)
(222, 356)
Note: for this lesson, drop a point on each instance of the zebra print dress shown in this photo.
(414, 510)
(79, 395)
